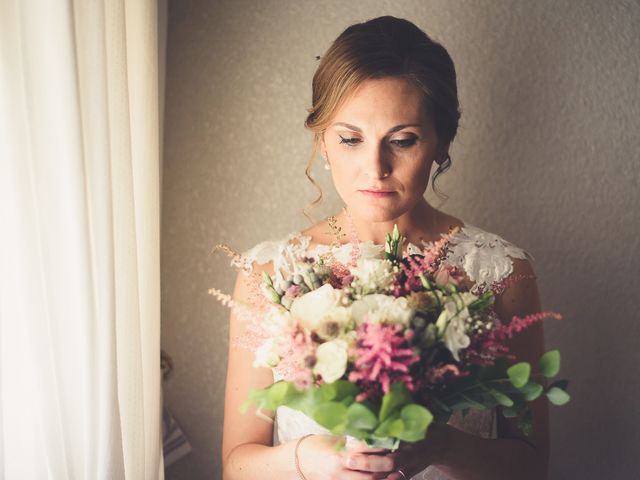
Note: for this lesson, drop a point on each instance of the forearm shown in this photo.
(250, 461)
(470, 457)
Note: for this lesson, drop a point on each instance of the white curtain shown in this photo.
(80, 394)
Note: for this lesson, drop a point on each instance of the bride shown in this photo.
(385, 108)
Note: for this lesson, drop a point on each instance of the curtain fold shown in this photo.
(80, 393)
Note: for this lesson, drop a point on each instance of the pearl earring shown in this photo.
(326, 163)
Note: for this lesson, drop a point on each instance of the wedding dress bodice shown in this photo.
(486, 258)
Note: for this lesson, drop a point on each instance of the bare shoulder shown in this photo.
(242, 376)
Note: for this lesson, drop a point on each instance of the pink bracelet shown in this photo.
(298, 470)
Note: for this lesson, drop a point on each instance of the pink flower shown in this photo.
(448, 273)
(381, 359)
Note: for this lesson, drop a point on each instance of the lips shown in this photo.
(377, 193)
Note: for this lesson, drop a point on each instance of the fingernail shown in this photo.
(351, 462)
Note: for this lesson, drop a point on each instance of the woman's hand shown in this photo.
(413, 458)
(320, 459)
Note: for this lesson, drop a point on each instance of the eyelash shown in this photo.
(404, 143)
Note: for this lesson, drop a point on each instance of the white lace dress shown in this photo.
(485, 257)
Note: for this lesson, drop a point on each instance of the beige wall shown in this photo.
(547, 156)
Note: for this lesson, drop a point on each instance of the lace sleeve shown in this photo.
(485, 257)
(280, 252)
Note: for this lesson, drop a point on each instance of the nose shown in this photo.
(377, 164)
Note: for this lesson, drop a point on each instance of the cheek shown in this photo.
(415, 177)
(343, 175)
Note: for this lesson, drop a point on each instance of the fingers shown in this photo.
(394, 476)
(369, 463)
(353, 475)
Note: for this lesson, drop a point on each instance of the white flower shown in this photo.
(312, 308)
(372, 275)
(266, 356)
(331, 360)
(451, 325)
(379, 308)
(276, 322)
(335, 322)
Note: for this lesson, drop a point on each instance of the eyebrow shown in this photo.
(391, 130)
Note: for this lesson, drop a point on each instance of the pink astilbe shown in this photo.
(486, 348)
(434, 254)
(518, 324)
(297, 359)
(381, 359)
(408, 280)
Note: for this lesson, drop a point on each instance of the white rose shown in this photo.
(312, 308)
(377, 308)
(266, 356)
(331, 360)
(452, 328)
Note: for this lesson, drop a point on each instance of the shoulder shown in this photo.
(487, 258)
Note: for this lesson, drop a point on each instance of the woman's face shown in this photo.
(381, 140)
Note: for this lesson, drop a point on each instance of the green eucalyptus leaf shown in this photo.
(532, 390)
(361, 417)
(415, 419)
(550, 363)
(519, 374)
(501, 398)
(383, 428)
(557, 396)
(280, 393)
(330, 415)
(338, 390)
(396, 397)
(396, 428)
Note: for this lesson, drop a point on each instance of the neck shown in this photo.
(415, 224)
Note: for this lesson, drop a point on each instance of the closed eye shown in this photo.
(404, 143)
(349, 141)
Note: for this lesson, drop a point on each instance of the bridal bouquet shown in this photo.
(380, 348)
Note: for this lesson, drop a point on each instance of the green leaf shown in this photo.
(532, 390)
(550, 363)
(280, 393)
(360, 417)
(415, 419)
(501, 398)
(396, 428)
(330, 415)
(338, 390)
(519, 374)
(383, 429)
(396, 397)
(557, 396)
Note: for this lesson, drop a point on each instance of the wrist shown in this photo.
(296, 458)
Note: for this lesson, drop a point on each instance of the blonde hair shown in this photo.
(383, 47)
